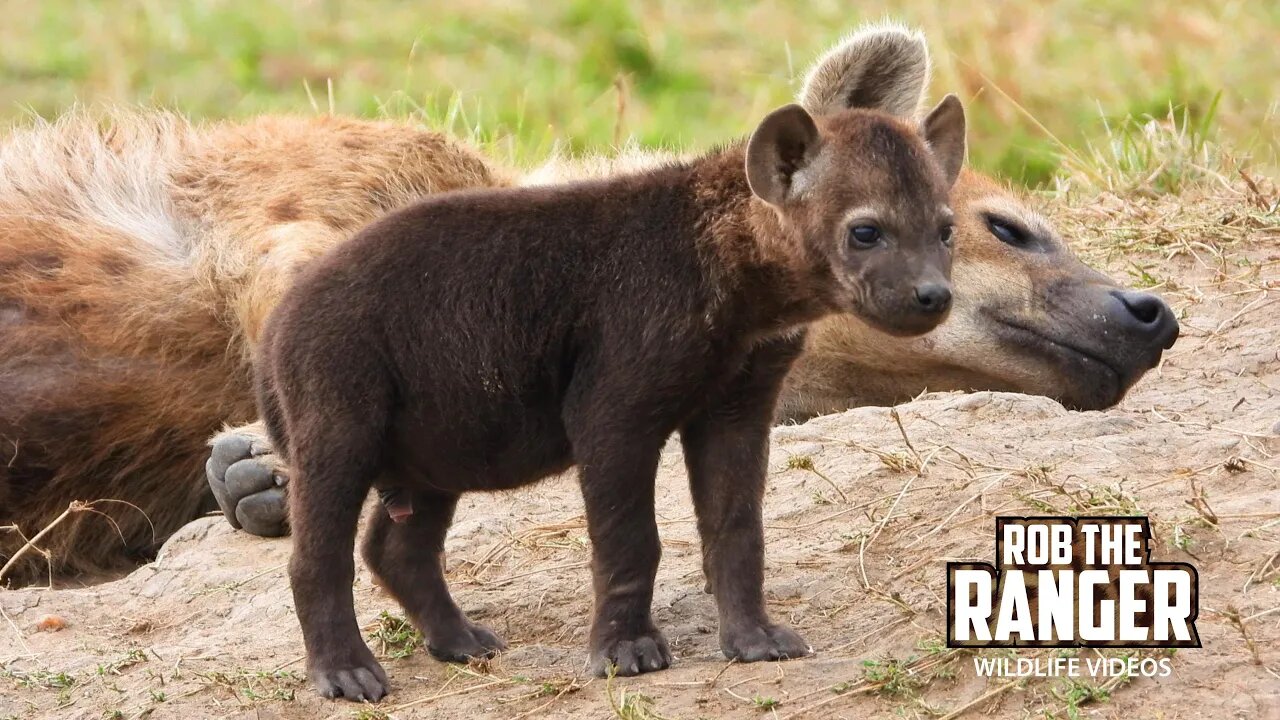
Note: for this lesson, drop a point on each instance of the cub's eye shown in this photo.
(864, 236)
(944, 235)
(1007, 232)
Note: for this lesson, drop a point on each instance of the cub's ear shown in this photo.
(785, 143)
(944, 131)
(881, 67)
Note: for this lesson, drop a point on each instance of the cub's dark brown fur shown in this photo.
(485, 340)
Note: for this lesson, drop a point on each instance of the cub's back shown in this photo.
(499, 287)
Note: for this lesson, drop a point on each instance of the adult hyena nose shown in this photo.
(1147, 317)
(933, 298)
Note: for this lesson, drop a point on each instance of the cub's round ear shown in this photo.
(944, 131)
(785, 143)
(881, 67)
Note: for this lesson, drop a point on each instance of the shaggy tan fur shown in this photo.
(139, 257)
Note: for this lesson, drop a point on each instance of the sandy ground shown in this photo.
(862, 517)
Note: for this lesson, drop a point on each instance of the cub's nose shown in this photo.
(1147, 316)
(933, 298)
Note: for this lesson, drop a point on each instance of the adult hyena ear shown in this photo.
(880, 67)
(781, 148)
(943, 129)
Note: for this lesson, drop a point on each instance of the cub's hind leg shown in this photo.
(407, 555)
(336, 457)
(617, 479)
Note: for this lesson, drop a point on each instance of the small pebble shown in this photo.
(51, 623)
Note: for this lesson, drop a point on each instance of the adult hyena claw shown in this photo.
(248, 481)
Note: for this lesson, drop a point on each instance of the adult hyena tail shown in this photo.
(115, 361)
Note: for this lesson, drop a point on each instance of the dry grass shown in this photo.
(522, 76)
(32, 544)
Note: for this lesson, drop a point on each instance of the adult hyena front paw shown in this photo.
(357, 678)
(248, 482)
(465, 642)
(630, 654)
(753, 643)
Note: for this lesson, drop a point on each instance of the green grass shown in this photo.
(40, 679)
(520, 76)
(255, 685)
(394, 637)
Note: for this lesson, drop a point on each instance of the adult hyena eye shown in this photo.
(1006, 232)
(945, 235)
(862, 237)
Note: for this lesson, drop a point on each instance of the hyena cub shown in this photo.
(484, 340)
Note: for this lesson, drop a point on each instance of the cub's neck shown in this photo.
(767, 280)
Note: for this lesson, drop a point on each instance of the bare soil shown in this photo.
(862, 516)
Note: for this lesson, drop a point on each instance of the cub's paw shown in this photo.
(630, 654)
(465, 642)
(248, 482)
(753, 643)
(357, 679)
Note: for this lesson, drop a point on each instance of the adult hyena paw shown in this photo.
(248, 482)
(465, 642)
(630, 654)
(753, 643)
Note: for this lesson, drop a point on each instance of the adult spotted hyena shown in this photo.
(140, 255)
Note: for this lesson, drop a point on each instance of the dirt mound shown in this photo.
(863, 511)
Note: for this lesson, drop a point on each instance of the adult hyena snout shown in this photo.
(1146, 318)
(1125, 330)
(1142, 328)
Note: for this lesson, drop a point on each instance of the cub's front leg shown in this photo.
(726, 450)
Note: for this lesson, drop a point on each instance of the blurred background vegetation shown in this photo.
(1056, 88)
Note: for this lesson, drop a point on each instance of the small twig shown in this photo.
(429, 698)
(712, 682)
(571, 686)
(1257, 303)
(797, 462)
(1264, 613)
(620, 86)
(284, 665)
(862, 549)
(893, 412)
(980, 699)
(566, 566)
(877, 631)
(1260, 572)
(1233, 616)
(21, 640)
(937, 528)
(75, 506)
(863, 690)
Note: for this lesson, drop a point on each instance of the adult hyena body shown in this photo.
(140, 255)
